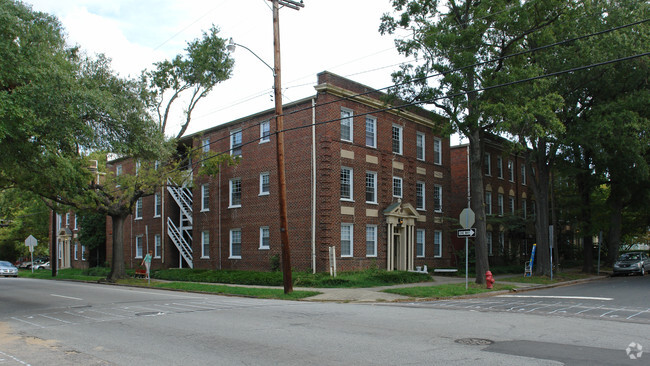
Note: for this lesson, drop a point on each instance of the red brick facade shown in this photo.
(313, 123)
(509, 200)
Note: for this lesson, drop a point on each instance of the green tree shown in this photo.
(24, 214)
(456, 40)
(193, 75)
(92, 234)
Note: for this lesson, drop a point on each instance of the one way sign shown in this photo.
(466, 233)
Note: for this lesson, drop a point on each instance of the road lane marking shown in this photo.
(589, 309)
(560, 297)
(640, 312)
(53, 318)
(25, 321)
(67, 297)
(13, 358)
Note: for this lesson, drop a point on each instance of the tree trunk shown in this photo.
(540, 186)
(585, 212)
(477, 200)
(556, 227)
(616, 223)
(117, 262)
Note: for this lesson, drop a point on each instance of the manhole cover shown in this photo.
(150, 313)
(474, 341)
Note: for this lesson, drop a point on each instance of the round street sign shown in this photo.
(467, 218)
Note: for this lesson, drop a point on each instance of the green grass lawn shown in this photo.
(445, 291)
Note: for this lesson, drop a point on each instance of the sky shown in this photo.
(340, 36)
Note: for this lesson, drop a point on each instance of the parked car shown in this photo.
(7, 269)
(45, 265)
(632, 262)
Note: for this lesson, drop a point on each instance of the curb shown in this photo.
(559, 284)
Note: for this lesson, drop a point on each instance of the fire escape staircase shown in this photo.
(181, 234)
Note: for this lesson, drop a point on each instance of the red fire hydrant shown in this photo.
(489, 280)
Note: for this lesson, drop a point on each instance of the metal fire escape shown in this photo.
(181, 234)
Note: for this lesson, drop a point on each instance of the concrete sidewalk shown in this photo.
(375, 294)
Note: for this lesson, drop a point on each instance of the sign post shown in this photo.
(31, 242)
(467, 219)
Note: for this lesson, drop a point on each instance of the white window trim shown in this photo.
(76, 247)
(424, 196)
(205, 145)
(141, 238)
(351, 119)
(523, 174)
(374, 202)
(267, 138)
(203, 244)
(268, 175)
(205, 187)
(424, 241)
(500, 204)
(439, 187)
(233, 133)
(230, 256)
(67, 219)
(157, 199)
(401, 140)
(488, 164)
(230, 186)
(499, 167)
(351, 199)
(511, 171)
(374, 241)
(157, 239)
(489, 243)
(76, 222)
(437, 155)
(488, 203)
(424, 146)
(83, 252)
(401, 187)
(374, 124)
(437, 234)
(351, 226)
(262, 246)
(138, 212)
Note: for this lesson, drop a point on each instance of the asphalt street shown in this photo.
(67, 323)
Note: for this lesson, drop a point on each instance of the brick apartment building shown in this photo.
(70, 252)
(509, 202)
(370, 181)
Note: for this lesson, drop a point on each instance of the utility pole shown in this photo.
(279, 129)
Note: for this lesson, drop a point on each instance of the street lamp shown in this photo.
(231, 46)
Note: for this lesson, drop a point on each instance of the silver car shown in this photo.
(633, 262)
(7, 269)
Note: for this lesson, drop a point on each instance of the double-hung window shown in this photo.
(500, 203)
(437, 198)
(138, 246)
(157, 246)
(371, 240)
(487, 164)
(371, 131)
(157, 205)
(138, 209)
(511, 171)
(523, 174)
(437, 244)
(265, 237)
(499, 167)
(420, 146)
(265, 132)
(488, 203)
(235, 192)
(205, 244)
(488, 241)
(437, 151)
(205, 197)
(235, 244)
(264, 183)
(371, 187)
(397, 139)
(235, 142)
(346, 125)
(346, 240)
(419, 195)
(419, 243)
(511, 202)
(397, 187)
(523, 208)
(346, 184)
(205, 145)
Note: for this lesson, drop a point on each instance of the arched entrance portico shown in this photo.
(400, 222)
(64, 238)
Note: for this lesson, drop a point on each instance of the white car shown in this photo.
(7, 269)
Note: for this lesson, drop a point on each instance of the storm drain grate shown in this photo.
(474, 341)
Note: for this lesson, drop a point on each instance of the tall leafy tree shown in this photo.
(189, 78)
(456, 41)
(23, 214)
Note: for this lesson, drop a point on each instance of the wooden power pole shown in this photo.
(279, 129)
